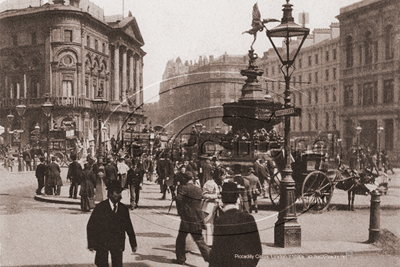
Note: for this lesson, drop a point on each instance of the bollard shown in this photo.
(374, 216)
(20, 163)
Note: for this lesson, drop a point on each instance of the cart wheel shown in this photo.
(59, 158)
(317, 191)
(274, 189)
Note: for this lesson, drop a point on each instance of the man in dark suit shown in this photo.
(40, 173)
(74, 175)
(188, 204)
(53, 172)
(107, 226)
(243, 188)
(110, 171)
(236, 238)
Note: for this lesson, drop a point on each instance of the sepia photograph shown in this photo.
(215, 133)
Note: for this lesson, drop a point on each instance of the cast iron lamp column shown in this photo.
(47, 108)
(99, 106)
(10, 118)
(358, 130)
(131, 129)
(287, 230)
(380, 130)
(21, 108)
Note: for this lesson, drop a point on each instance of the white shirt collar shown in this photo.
(230, 207)
(112, 204)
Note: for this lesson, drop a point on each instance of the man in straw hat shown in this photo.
(107, 226)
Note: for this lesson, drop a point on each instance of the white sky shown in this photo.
(190, 28)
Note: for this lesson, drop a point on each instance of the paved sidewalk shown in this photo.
(311, 247)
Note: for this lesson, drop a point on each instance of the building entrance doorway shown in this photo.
(368, 135)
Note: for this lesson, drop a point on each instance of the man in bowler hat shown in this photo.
(236, 238)
(107, 226)
(188, 204)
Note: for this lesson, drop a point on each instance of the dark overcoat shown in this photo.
(106, 229)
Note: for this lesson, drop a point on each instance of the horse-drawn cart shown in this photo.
(313, 185)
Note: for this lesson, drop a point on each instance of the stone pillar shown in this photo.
(131, 75)
(124, 74)
(137, 89)
(116, 73)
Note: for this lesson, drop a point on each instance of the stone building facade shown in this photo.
(370, 74)
(192, 93)
(71, 54)
(314, 86)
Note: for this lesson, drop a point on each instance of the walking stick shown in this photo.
(170, 206)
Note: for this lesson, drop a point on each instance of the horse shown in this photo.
(351, 181)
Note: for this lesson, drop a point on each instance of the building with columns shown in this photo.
(370, 74)
(71, 53)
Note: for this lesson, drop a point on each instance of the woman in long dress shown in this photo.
(210, 205)
(88, 180)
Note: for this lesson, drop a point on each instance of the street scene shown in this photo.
(53, 233)
(117, 146)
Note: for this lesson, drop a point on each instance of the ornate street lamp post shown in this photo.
(10, 118)
(151, 138)
(47, 109)
(131, 129)
(21, 108)
(287, 229)
(99, 106)
(380, 130)
(358, 130)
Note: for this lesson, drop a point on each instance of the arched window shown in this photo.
(349, 52)
(389, 42)
(368, 48)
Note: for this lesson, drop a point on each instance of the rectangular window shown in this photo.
(273, 70)
(104, 48)
(334, 94)
(348, 95)
(87, 88)
(67, 88)
(100, 93)
(316, 77)
(334, 120)
(389, 134)
(370, 94)
(316, 121)
(309, 78)
(14, 40)
(309, 122)
(360, 94)
(326, 75)
(94, 87)
(388, 91)
(35, 87)
(266, 72)
(327, 121)
(309, 61)
(334, 73)
(96, 44)
(326, 56)
(300, 80)
(309, 97)
(300, 96)
(67, 35)
(299, 63)
(334, 54)
(316, 96)
(326, 95)
(88, 41)
(316, 59)
(33, 38)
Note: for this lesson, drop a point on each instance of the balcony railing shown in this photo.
(58, 101)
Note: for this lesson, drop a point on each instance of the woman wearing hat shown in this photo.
(88, 180)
